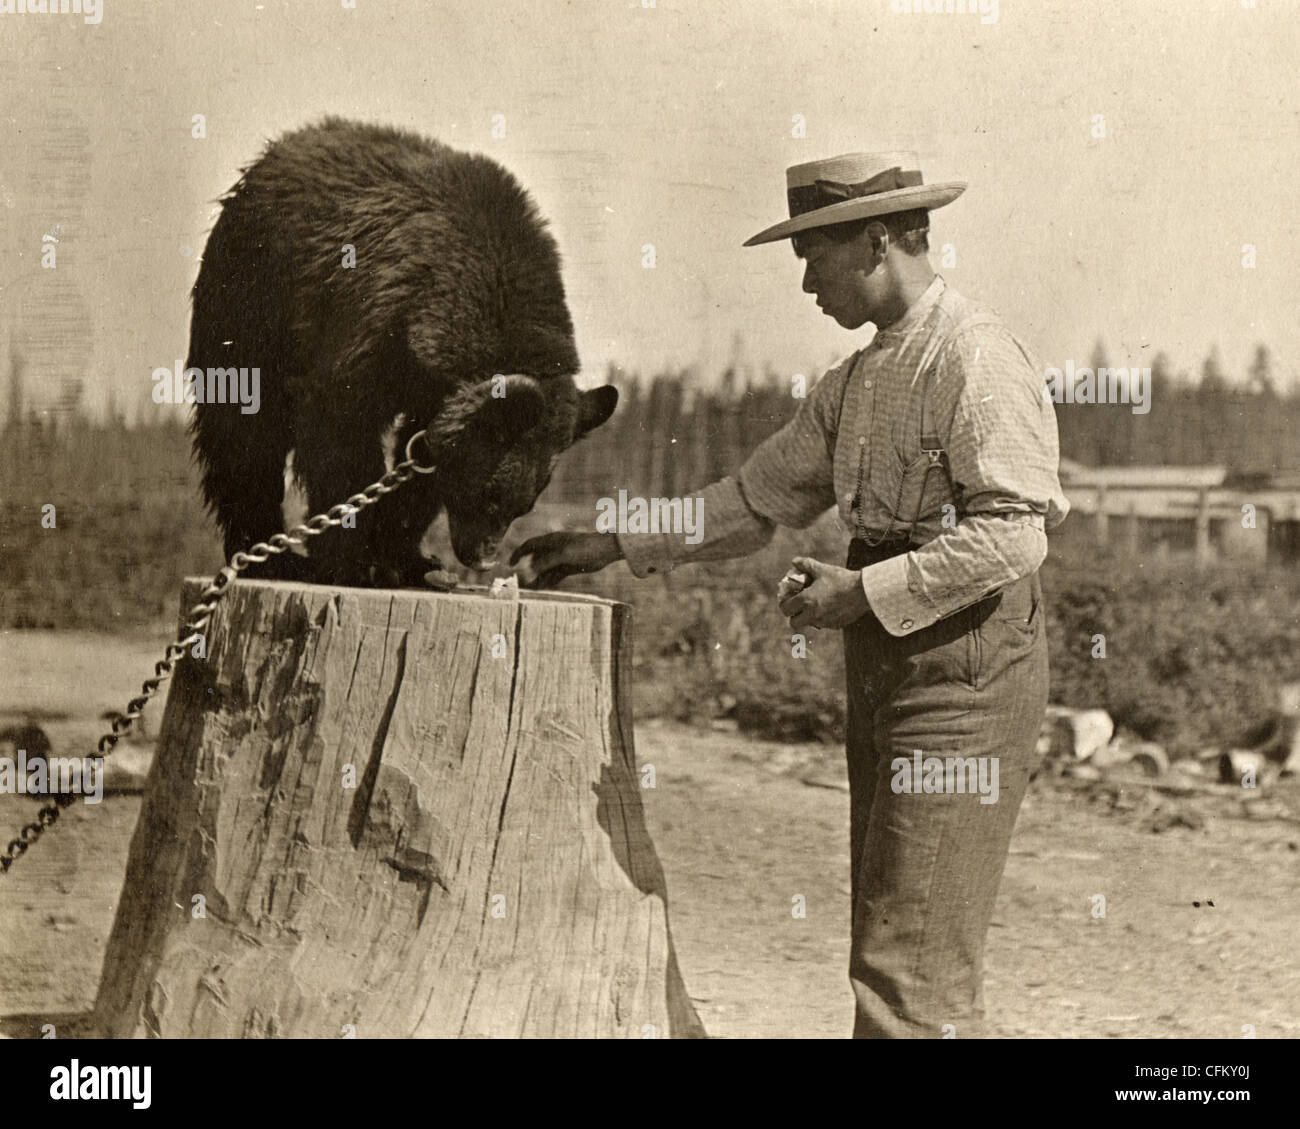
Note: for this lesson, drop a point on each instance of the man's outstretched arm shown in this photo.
(726, 527)
(787, 480)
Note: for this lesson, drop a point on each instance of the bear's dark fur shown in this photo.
(456, 280)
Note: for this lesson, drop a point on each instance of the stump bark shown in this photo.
(396, 813)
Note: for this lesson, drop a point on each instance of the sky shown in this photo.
(1120, 158)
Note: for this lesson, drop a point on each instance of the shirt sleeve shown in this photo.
(787, 480)
(1000, 434)
(725, 526)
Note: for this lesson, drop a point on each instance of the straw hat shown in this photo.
(854, 186)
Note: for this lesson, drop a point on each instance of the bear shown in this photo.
(381, 282)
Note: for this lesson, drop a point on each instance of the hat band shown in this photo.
(823, 193)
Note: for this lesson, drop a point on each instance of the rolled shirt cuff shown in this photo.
(891, 601)
(1005, 547)
(647, 554)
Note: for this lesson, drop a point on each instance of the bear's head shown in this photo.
(495, 445)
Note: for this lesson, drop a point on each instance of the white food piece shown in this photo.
(791, 583)
(505, 588)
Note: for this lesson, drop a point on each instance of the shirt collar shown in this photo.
(916, 312)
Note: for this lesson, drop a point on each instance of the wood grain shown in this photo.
(489, 874)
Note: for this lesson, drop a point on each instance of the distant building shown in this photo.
(1204, 511)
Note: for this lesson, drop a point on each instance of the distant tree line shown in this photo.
(670, 435)
(1247, 425)
(675, 432)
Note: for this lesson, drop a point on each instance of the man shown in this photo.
(939, 448)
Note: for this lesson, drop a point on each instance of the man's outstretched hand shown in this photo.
(557, 555)
(833, 596)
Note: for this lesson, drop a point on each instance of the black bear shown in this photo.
(381, 281)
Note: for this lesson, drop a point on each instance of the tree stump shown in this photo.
(396, 813)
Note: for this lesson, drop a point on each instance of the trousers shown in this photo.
(929, 833)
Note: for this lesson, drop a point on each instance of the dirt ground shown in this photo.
(1202, 889)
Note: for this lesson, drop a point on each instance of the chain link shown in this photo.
(200, 615)
(856, 505)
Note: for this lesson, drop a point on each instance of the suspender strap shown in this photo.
(931, 442)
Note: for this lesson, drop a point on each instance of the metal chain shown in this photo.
(856, 505)
(200, 615)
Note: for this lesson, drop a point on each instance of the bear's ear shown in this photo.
(501, 408)
(514, 404)
(594, 408)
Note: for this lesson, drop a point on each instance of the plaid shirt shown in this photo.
(947, 375)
